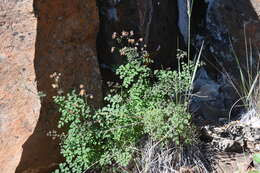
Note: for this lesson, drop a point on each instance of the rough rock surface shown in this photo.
(212, 100)
(230, 31)
(65, 43)
(226, 25)
(19, 102)
(38, 38)
(232, 146)
(155, 21)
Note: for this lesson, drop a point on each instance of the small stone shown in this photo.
(15, 34)
(22, 37)
(2, 58)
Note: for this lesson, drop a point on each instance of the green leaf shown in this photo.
(254, 171)
(256, 158)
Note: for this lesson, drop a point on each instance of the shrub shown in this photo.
(145, 103)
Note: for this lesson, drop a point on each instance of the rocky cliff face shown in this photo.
(224, 26)
(65, 43)
(19, 102)
(155, 21)
(219, 23)
(231, 31)
(37, 39)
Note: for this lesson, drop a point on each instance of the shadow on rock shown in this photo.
(65, 43)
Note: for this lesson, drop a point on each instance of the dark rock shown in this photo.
(183, 19)
(155, 21)
(107, 9)
(231, 146)
(211, 99)
(231, 34)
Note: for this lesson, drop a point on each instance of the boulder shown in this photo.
(37, 39)
(212, 100)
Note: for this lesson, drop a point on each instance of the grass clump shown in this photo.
(246, 84)
(146, 104)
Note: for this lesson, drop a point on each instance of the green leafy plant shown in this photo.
(145, 103)
(254, 171)
(256, 158)
(256, 161)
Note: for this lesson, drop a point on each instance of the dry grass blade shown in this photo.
(171, 159)
(253, 86)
